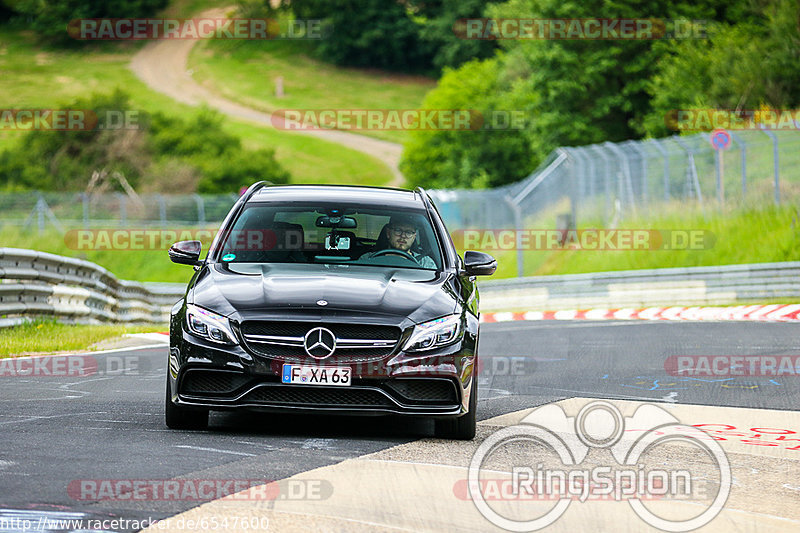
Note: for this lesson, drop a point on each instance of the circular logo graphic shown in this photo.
(320, 343)
(323, 303)
(599, 424)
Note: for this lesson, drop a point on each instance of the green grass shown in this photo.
(43, 77)
(770, 234)
(44, 336)
(245, 71)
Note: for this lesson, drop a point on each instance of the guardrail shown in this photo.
(716, 285)
(43, 284)
(39, 283)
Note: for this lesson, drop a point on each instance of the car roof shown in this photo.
(339, 193)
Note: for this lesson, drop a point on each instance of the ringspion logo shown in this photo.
(567, 480)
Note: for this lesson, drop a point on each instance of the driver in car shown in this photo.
(400, 234)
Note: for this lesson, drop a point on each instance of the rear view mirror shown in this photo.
(479, 263)
(336, 222)
(186, 252)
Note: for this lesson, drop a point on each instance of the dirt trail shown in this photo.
(163, 66)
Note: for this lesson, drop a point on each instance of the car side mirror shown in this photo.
(186, 252)
(479, 263)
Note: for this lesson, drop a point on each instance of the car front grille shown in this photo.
(285, 340)
(424, 390)
(321, 397)
(230, 386)
(212, 382)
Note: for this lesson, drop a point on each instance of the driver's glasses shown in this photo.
(399, 232)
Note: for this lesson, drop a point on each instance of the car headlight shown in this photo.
(434, 334)
(209, 325)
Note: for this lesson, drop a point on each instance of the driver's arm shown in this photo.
(425, 261)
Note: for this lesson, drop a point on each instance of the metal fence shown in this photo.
(68, 210)
(600, 184)
(603, 184)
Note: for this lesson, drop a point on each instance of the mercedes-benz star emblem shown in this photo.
(322, 302)
(320, 343)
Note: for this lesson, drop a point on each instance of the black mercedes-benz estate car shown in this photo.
(328, 299)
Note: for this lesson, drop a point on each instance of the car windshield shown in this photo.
(332, 233)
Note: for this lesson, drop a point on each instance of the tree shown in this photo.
(438, 19)
(473, 158)
(366, 33)
(50, 17)
(150, 153)
(744, 66)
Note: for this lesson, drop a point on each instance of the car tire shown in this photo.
(463, 427)
(182, 418)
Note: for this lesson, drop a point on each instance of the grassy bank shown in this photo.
(245, 72)
(49, 336)
(36, 76)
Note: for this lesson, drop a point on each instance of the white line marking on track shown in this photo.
(202, 449)
(319, 444)
(99, 352)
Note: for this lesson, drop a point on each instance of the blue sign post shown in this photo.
(720, 140)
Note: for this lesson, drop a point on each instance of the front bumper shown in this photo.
(211, 376)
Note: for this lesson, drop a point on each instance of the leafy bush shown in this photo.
(210, 159)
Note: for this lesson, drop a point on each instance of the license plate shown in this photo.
(316, 375)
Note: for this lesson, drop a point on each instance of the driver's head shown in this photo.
(401, 232)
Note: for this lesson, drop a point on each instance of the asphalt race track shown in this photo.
(60, 431)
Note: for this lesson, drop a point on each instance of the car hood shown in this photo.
(251, 289)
